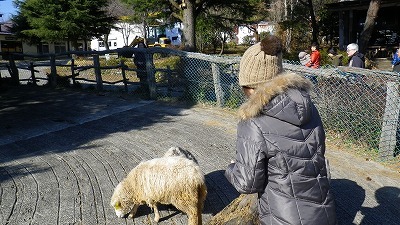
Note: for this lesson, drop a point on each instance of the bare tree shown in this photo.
(117, 9)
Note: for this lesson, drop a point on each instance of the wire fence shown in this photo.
(360, 105)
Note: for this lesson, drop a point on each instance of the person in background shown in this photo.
(335, 59)
(280, 145)
(315, 58)
(396, 61)
(356, 58)
(139, 58)
(304, 58)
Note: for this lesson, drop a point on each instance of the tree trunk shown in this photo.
(372, 14)
(189, 37)
(314, 24)
(241, 211)
(315, 29)
(106, 41)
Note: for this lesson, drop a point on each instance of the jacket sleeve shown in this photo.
(395, 58)
(313, 58)
(249, 172)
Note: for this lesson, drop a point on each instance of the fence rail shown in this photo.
(359, 104)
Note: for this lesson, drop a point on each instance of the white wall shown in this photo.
(174, 34)
(243, 31)
(116, 38)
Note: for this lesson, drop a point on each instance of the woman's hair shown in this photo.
(314, 44)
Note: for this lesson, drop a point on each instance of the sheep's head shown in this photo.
(123, 203)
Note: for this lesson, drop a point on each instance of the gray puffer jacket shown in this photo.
(280, 155)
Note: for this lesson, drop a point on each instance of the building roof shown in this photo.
(5, 27)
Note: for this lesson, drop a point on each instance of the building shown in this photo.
(9, 43)
(352, 15)
(243, 32)
(126, 33)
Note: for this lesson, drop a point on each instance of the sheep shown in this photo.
(172, 180)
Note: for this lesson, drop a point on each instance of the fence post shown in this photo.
(122, 65)
(13, 70)
(151, 78)
(97, 72)
(387, 143)
(219, 92)
(53, 69)
(73, 71)
(32, 69)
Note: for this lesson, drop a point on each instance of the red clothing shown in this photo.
(315, 60)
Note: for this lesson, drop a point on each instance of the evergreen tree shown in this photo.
(55, 20)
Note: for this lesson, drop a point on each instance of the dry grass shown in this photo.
(338, 142)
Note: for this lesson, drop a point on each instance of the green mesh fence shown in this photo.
(361, 105)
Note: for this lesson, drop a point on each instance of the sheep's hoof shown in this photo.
(130, 216)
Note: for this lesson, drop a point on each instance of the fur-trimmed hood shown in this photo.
(264, 93)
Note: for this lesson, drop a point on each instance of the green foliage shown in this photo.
(148, 11)
(54, 20)
(248, 40)
(235, 98)
(299, 26)
(208, 37)
(171, 62)
(325, 59)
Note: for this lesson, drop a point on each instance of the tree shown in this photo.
(259, 13)
(215, 25)
(187, 11)
(369, 25)
(52, 20)
(314, 24)
(149, 13)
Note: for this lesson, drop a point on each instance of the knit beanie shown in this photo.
(304, 58)
(261, 62)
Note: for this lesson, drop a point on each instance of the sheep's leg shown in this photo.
(194, 217)
(156, 213)
(192, 210)
(133, 211)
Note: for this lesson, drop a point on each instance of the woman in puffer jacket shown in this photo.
(280, 143)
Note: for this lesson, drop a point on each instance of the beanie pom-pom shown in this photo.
(271, 45)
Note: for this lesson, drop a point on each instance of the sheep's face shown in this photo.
(122, 204)
(122, 210)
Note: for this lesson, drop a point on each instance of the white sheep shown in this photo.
(172, 180)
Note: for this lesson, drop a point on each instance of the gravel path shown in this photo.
(63, 152)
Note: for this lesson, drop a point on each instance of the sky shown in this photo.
(7, 9)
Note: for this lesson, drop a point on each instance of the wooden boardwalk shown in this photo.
(62, 153)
